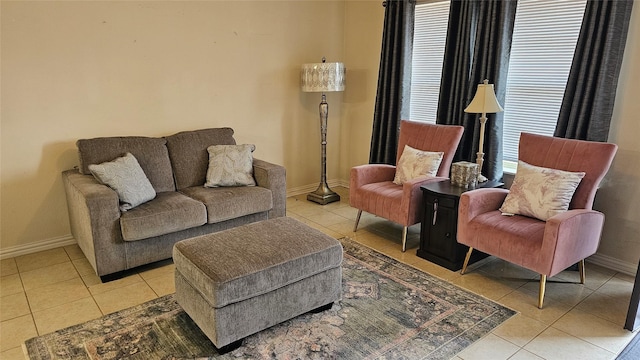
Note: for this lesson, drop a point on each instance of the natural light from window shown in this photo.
(544, 40)
(543, 43)
(430, 34)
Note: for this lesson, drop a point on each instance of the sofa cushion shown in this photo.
(230, 165)
(224, 203)
(189, 156)
(151, 154)
(167, 213)
(125, 176)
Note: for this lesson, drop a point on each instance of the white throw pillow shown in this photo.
(414, 163)
(540, 192)
(125, 176)
(230, 165)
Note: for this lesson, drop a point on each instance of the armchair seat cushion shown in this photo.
(383, 199)
(225, 203)
(167, 213)
(517, 239)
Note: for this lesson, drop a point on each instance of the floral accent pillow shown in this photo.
(230, 165)
(414, 163)
(540, 192)
(125, 176)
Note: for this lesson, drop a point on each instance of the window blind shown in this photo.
(544, 40)
(430, 33)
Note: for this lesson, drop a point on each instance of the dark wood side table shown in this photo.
(438, 241)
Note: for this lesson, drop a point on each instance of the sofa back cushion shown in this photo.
(151, 153)
(189, 156)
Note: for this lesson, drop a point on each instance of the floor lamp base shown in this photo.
(323, 195)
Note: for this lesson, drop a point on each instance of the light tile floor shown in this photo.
(53, 289)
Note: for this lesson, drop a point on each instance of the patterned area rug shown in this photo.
(389, 310)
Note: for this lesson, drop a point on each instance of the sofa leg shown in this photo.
(355, 227)
(114, 276)
(543, 284)
(404, 238)
(229, 347)
(466, 261)
(322, 308)
(581, 271)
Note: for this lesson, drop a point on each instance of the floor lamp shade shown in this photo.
(482, 103)
(323, 77)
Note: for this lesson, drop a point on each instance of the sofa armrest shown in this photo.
(480, 201)
(274, 178)
(371, 173)
(571, 236)
(94, 216)
(412, 197)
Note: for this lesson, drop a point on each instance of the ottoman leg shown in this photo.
(322, 308)
(230, 347)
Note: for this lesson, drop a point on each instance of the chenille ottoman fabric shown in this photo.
(240, 281)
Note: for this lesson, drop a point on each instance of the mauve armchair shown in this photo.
(371, 187)
(546, 247)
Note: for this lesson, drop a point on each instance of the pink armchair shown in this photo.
(546, 247)
(371, 186)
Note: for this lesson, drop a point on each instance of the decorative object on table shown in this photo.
(483, 102)
(323, 77)
(464, 174)
(416, 315)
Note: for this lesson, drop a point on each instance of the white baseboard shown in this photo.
(310, 188)
(37, 246)
(613, 264)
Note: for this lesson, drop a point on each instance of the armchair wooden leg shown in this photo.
(581, 271)
(466, 261)
(355, 227)
(543, 284)
(404, 238)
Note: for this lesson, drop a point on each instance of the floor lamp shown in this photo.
(323, 77)
(483, 102)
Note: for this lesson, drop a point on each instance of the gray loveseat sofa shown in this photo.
(176, 166)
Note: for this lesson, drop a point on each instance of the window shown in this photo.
(544, 39)
(429, 36)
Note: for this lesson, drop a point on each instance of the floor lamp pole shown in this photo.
(323, 194)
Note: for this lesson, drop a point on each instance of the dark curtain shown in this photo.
(477, 47)
(394, 80)
(587, 105)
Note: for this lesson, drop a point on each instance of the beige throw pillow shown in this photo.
(414, 163)
(230, 165)
(125, 176)
(540, 192)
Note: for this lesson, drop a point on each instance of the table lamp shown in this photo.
(482, 103)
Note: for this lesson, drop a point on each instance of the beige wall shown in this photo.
(619, 196)
(85, 69)
(72, 70)
(363, 40)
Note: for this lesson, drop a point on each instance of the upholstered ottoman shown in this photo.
(243, 280)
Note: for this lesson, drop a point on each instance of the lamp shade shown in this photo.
(484, 101)
(323, 77)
